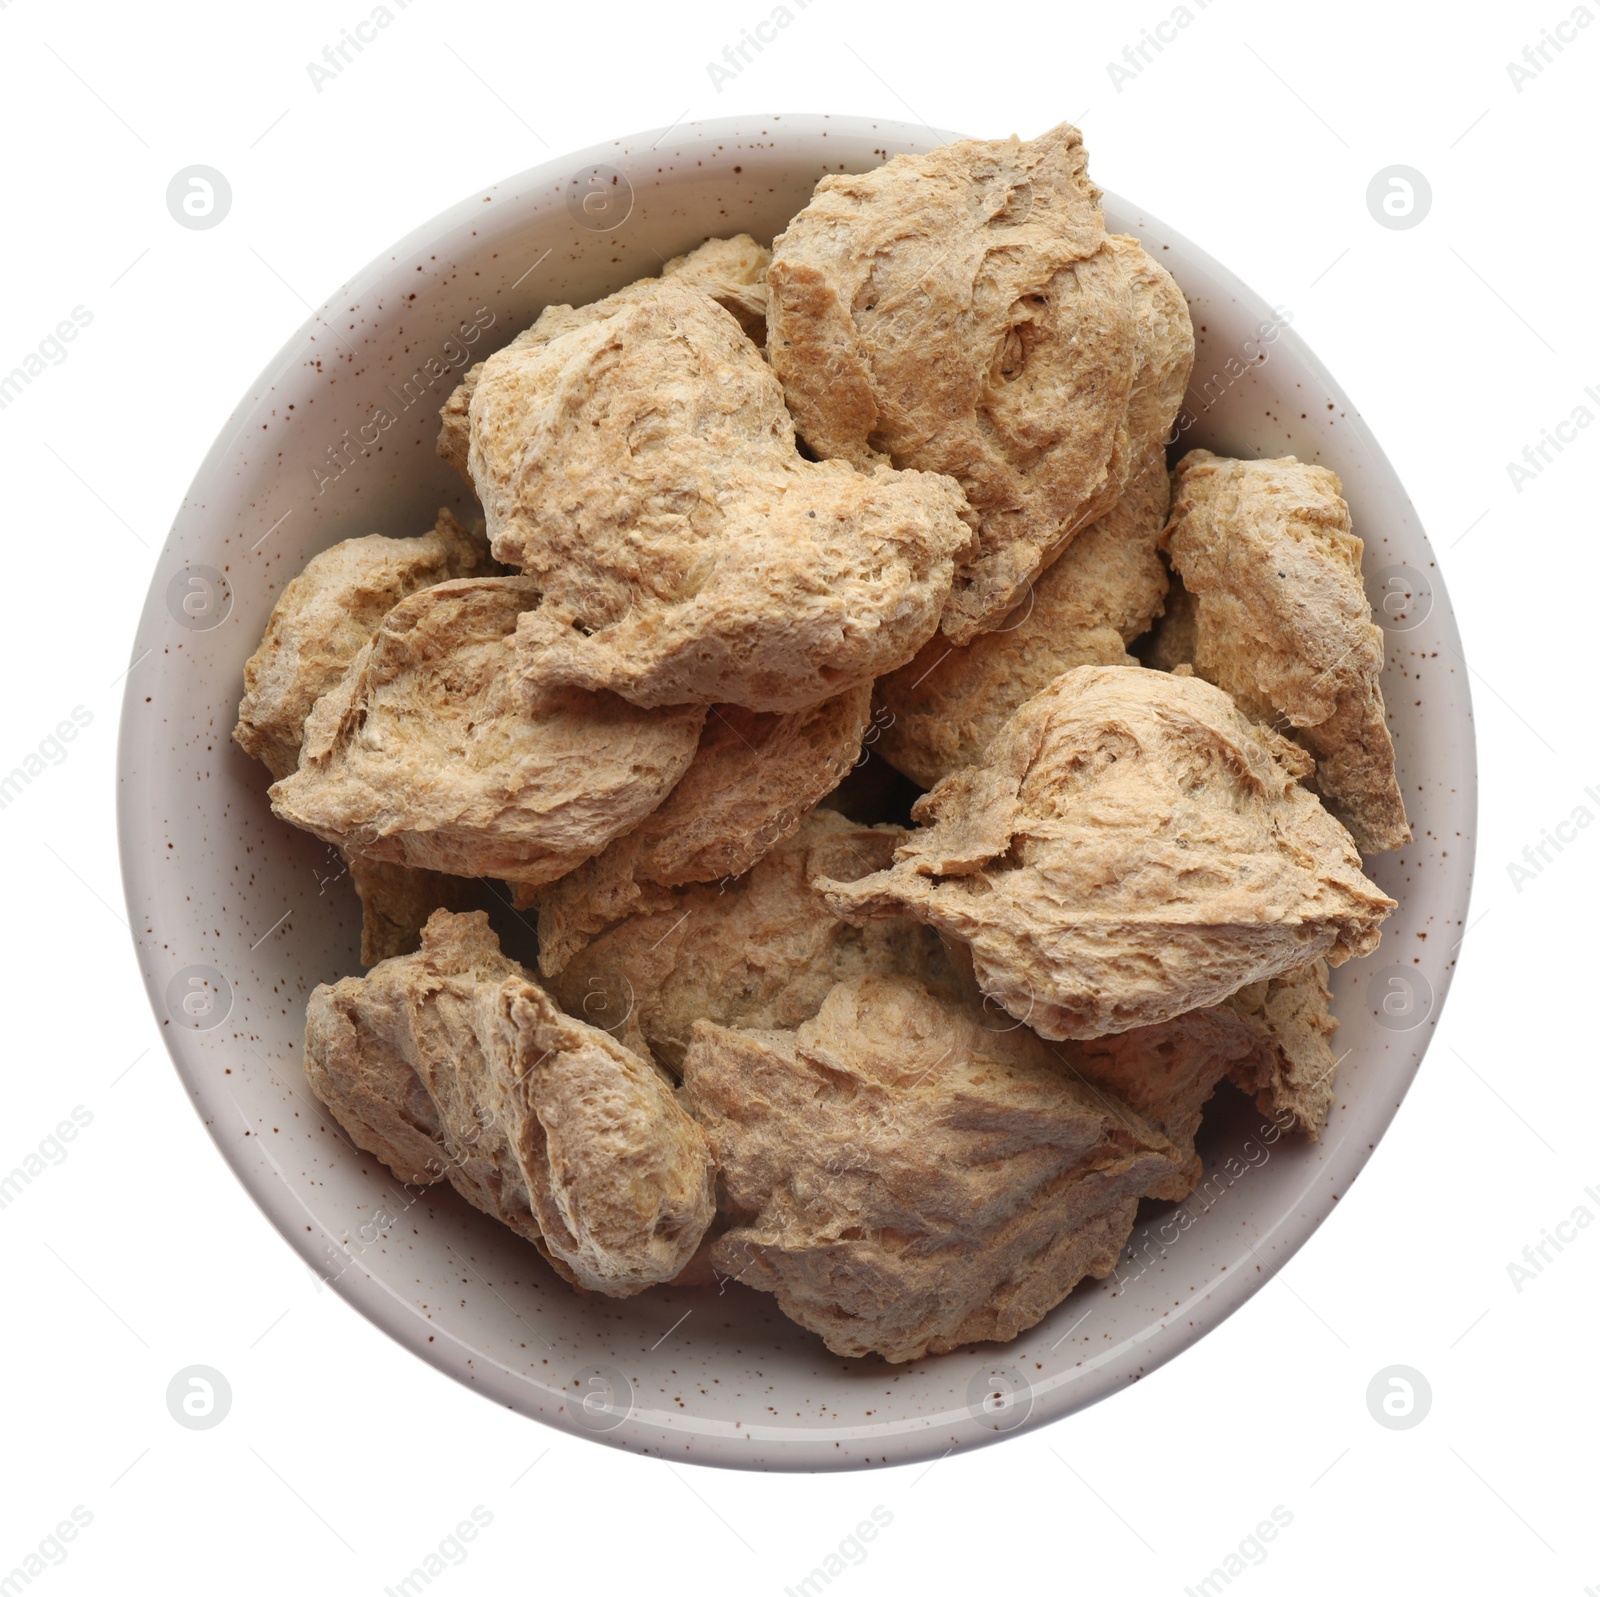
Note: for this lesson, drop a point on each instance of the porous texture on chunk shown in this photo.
(906, 1180)
(753, 779)
(1282, 622)
(1168, 1073)
(1291, 1070)
(396, 903)
(965, 312)
(635, 458)
(452, 1064)
(325, 616)
(758, 951)
(733, 271)
(429, 754)
(1132, 848)
(322, 620)
(940, 711)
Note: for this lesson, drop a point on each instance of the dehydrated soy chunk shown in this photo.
(907, 1179)
(732, 271)
(451, 1064)
(1132, 848)
(965, 312)
(1282, 621)
(429, 754)
(635, 458)
(753, 779)
(761, 950)
(327, 614)
(940, 711)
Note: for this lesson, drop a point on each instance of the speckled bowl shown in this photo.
(237, 917)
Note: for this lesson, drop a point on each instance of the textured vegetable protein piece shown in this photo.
(759, 951)
(1291, 1071)
(322, 620)
(635, 458)
(752, 781)
(940, 711)
(428, 753)
(964, 311)
(1282, 622)
(1132, 848)
(907, 1181)
(327, 614)
(452, 1063)
(732, 271)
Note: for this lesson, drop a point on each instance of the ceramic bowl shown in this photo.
(237, 916)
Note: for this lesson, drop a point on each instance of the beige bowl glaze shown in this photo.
(235, 918)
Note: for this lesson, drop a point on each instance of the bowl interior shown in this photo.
(237, 916)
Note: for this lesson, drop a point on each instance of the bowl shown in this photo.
(237, 917)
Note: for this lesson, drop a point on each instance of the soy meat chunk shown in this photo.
(1269, 1039)
(1168, 1072)
(940, 711)
(906, 1180)
(733, 271)
(327, 614)
(321, 621)
(429, 755)
(753, 779)
(452, 1063)
(635, 458)
(1282, 622)
(762, 950)
(1291, 1069)
(966, 312)
(1132, 848)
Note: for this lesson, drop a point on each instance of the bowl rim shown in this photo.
(278, 1200)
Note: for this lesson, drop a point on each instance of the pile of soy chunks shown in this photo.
(771, 544)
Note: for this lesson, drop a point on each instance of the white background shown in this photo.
(343, 1461)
